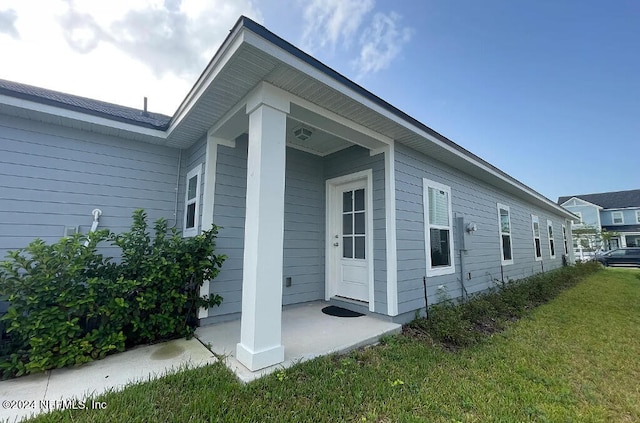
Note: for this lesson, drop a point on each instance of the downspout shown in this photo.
(175, 208)
(462, 288)
(461, 248)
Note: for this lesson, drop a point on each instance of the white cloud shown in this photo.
(345, 23)
(7, 23)
(174, 36)
(329, 22)
(380, 43)
(119, 50)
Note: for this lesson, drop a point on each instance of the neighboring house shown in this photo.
(323, 190)
(614, 212)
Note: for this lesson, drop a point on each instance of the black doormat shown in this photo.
(340, 312)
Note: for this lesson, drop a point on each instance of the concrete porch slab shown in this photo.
(306, 333)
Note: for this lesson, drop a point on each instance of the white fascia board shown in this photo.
(64, 113)
(320, 76)
(622, 208)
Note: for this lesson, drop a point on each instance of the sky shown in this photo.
(546, 90)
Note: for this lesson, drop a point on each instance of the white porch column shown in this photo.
(261, 325)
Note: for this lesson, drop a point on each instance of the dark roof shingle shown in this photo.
(85, 105)
(609, 200)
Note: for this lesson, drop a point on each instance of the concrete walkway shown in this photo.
(306, 333)
(56, 389)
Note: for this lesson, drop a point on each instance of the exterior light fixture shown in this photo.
(302, 133)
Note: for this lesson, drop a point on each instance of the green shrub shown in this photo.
(63, 310)
(447, 324)
(463, 324)
(70, 305)
(167, 272)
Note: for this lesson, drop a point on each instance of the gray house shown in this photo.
(324, 191)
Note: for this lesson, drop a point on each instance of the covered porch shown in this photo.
(315, 194)
(307, 333)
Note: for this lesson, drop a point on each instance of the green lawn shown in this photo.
(574, 359)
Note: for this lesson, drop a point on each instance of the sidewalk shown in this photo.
(34, 394)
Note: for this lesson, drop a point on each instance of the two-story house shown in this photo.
(616, 213)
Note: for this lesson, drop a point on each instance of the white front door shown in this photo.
(349, 239)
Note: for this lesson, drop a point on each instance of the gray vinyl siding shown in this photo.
(52, 177)
(229, 215)
(304, 228)
(628, 217)
(355, 159)
(476, 202)
(303, 259)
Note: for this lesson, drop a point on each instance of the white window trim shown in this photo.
(613, 218)
(565, 241)
(426, 184)
(196, 171)
(534, 219)
(500, 234)
(552, 237)
(637, 216)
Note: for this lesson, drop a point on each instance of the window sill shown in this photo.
(441, 271)
(189, 233)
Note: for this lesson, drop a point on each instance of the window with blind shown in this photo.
(552, 241)
(192, 202)
(438, 228)
(535, 226)
(504, 223)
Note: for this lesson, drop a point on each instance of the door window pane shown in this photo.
(359, 223)
(353, 224)
(347, 247)
(359, 199)
(359, 247)
(347, 224)
(347, 201)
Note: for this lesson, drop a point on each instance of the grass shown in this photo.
(573, 359)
